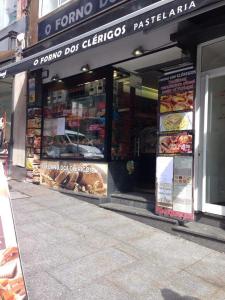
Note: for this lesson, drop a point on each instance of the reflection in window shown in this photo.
(8, 12)
(47, 6)
(74, 122)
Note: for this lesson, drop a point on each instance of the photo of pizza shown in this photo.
(177, 102)
(176, 144)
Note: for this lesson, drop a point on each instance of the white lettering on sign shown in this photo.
(164, 15)
(73, 16)
(104, 37)
(103, 3)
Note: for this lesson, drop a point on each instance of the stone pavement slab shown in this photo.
(74, 250)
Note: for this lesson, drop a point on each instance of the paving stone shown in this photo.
(188, 285)
(102, 290)
(131, 231)
(55, 200)
(95, 239)
(77, 274)
(27, 207)
(33, 229)
(17, 195)
(219, 295)
(43, 286)
(211, 268)
(45, 257)
(174, 251)
(141, 276)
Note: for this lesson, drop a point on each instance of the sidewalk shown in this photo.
(74, 250)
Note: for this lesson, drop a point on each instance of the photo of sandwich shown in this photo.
(175, 144)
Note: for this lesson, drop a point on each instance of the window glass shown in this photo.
(46, 6)
(8, 12)
(213, 56)
(122, 118)
(74, 122)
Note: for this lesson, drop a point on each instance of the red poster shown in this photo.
(12, 285)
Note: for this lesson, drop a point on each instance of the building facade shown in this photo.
(125, 101)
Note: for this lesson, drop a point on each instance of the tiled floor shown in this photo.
(74, 250)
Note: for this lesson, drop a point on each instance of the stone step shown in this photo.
(202, 231)
(144, 213)
(145, 201)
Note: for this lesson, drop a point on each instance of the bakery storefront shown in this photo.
(112, 110)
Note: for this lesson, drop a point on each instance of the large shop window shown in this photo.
(47, 6)
(74, 122)
(8, 12)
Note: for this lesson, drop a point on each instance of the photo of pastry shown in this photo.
(83, 178)
(176, 121)
(12, 285)
(175, 144)
(177, 102)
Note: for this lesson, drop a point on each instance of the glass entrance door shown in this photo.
(214, 144)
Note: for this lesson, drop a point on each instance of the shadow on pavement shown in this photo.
(171, 295)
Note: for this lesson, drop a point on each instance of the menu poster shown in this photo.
(176, 144)
(87, 178)
(177, 91)
(182, 194)
(164, 179)
(176, 121)
(12, 285)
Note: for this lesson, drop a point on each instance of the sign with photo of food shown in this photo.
(12, 286)
(177, 91)
(176, 121)
(88, 178)
(176, 144)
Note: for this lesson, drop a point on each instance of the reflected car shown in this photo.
(73, 144)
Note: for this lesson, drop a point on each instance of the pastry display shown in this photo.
(177, 102)
(11, 281)
(85, 178)
(175, 144)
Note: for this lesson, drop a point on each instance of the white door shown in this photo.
(213, 175)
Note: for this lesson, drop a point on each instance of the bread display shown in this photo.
(81, 178)
(11, 281)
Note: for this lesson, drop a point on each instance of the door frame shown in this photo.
(201, 119)
(205, 77)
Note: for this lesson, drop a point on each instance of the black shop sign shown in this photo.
(72, 15)
(147, 20)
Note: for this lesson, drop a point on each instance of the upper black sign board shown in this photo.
(149, 19)
(73, 14)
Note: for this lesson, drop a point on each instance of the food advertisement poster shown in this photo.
(177, 91)
(87, 178)
(12, 285)
(33, 144)
(164, 179)
(176, 121)
(180, 143)
(183, 174)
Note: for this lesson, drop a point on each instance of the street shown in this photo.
(71, 249)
